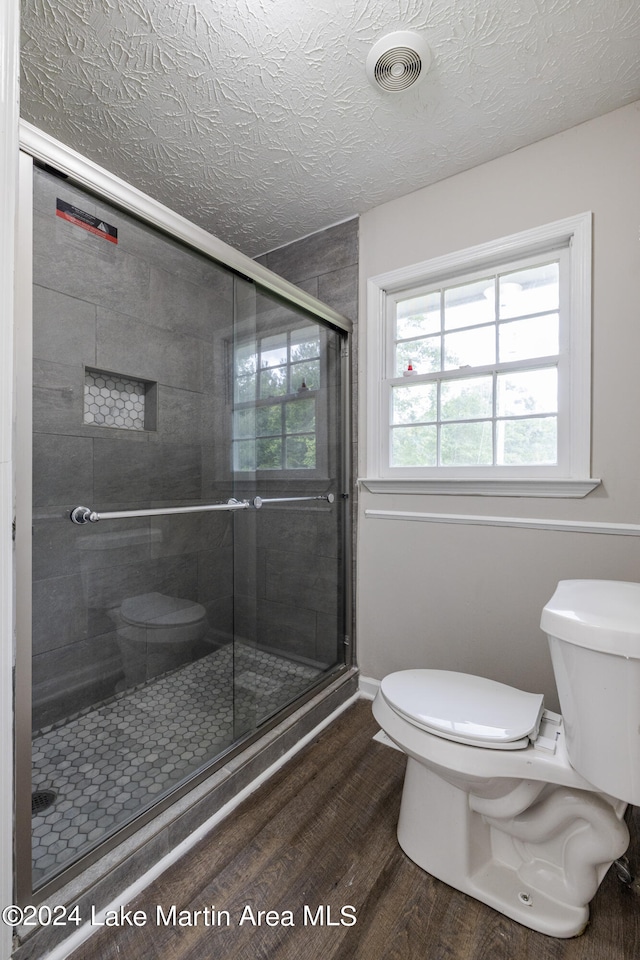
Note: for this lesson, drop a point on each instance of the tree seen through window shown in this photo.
(464, 399)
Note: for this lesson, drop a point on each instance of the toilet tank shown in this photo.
(593, 628)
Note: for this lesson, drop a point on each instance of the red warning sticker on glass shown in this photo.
(86, 220)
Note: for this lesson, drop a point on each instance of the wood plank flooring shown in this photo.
(322, 833)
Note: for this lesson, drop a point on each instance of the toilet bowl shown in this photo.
(156, 633)
(515, 805)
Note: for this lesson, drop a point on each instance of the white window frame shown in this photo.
(570, 477)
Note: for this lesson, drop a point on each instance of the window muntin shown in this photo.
(479, 359)
(276, 383)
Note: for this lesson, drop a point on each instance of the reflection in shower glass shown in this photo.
(287, 442)
(160, 641)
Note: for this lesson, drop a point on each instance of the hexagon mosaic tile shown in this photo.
(113, 401)
(112, 761)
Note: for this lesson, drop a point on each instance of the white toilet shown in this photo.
(156, 633)
(512, 804)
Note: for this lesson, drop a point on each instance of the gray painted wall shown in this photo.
(469, 598)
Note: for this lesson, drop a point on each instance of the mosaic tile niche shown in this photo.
(112, 400)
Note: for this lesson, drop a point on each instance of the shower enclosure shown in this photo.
(190, 508)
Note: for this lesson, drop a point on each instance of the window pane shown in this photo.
(245, 359)
(273, 383)
(269, 454)
(415, 403)
(466, 444)
(533, 441)
(472, 348)
(498, 330)
(466, 399)
(244, 455)
(300, 416)
(306, 374)
(526, 339)
(244, 423)
(530, 291)
(268, 421)
(301, 453)
(414, 446)
(273, 351)
(304, 344)
(245, 389)
(423, 355)
(469, 304)
(418, 316)
(532, 391)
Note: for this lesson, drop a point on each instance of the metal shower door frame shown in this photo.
(39, 147)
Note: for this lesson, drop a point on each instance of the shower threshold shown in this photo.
(109, 763)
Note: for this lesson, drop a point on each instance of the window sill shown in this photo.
(460, 486)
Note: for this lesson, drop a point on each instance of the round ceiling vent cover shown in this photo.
(398, 61)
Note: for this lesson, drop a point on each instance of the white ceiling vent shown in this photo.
(398, 61)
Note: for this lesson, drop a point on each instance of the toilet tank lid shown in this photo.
(602, 615)
(461, 707)
(158, 610)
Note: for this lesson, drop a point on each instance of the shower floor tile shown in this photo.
(109, 763)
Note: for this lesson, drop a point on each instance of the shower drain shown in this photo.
(41, 800)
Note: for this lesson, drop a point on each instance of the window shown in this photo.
(479, 360)
(479, 368)
(276, 387)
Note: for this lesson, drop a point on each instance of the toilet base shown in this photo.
(524, 867)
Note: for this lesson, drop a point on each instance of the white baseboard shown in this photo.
(368, 687)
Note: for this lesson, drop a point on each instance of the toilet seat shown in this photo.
(464, 708)
(157, 611)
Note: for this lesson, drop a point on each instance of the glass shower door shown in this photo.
(183, 593)
(133, 616)
(287, 442)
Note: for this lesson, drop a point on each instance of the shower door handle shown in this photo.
(258, 501)
(82, 515)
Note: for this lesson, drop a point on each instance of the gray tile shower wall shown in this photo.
(328, 259)
(150, 309)
(289, 607)
(326, 266)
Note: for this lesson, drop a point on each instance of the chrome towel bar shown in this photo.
(87, 515)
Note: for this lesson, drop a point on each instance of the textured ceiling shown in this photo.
(255, 119)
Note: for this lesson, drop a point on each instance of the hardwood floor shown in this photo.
(321, 833)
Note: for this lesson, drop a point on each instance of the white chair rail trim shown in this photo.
(531, 523)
